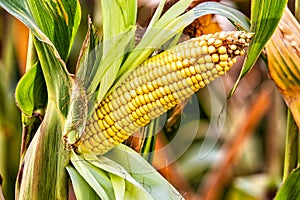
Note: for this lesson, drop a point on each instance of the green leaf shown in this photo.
(59, 20)
(112, 62)
(31, 98)
(20, 10)
(58, 80)
(31, 90)
(53, 22)
(290, 188)
(265, 15)
(174, 11)
(45, 158)
(81, 188)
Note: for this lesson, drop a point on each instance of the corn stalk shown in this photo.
(67, 101)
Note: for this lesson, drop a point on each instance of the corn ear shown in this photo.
(159, 84)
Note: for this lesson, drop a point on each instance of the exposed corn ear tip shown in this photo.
(159, 84)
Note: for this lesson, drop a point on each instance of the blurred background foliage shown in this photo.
(246, 161)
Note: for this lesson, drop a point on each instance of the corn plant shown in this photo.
(77, 121)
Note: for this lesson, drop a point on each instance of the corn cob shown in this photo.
(159, 84)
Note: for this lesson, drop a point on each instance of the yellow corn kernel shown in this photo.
(159, 84)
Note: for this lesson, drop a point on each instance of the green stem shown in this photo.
(292, 146)
(43, 167)
(31, 53)
(148, 148)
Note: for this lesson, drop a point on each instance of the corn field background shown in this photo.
(218, 144)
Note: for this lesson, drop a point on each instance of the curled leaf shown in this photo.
(283, 52)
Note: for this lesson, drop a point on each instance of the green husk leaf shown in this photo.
(130, 175)
(290, 188)
(156, 15)
(104, 168)
(82, 103)
(112, 62)
(77, 114)
(90, 51)
(155, 38)
(174, 11)
(265, 16)
(119, 185)
(106, 62)
(160, 32)
(143, 173)
(81, 188)
(96, 178)
(123, 19)
(87, 65)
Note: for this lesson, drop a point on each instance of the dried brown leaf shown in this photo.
(283, 52)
